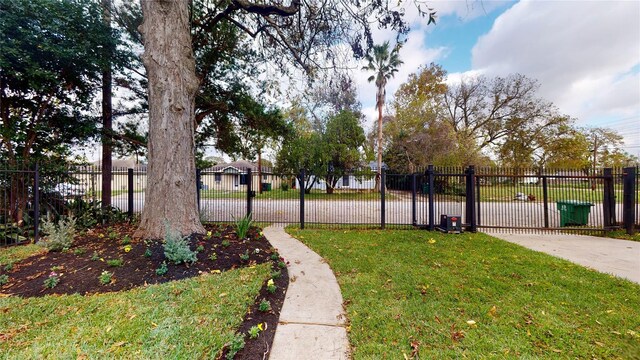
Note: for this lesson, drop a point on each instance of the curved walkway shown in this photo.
(312, 320)
(612, 256)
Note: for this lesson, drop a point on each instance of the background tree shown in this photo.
(343, 142)
(52, 54)
(384, 64)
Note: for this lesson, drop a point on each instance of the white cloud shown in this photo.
(582, 53)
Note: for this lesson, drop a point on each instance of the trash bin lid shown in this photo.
(574, 202)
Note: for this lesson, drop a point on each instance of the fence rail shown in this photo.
(484, 198)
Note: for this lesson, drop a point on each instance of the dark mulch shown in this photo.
(81, 266)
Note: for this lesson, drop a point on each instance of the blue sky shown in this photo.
(585, 54)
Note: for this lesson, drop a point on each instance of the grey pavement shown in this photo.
(612, 256)
(312, 319)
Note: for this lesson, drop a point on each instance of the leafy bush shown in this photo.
(162, 269)
(90, 213)
(59, 237)
(176, 248)
(105, 278)
(284, 186)
(115, 262)
(264, 306)
(243, 225)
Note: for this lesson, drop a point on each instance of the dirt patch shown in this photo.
(135, 262)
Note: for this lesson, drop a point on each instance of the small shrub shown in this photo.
(162, 269)
(271, 286)
(79, 251)
(254, 331)
(95, 256)
(8, 267)
(147, 253)
(236, 344)
(213, 257)
(60, 237)
(126, 240)
(281, 264)
(115, 262)
(242, 226)
(176, 249)
(105, 278)
(200, 248)
(275, 256)
(225, 243)
(276, 274)
(113, 235)
(264, 306)
(52, 280)
(4, 279)
(245, 256)
(284, 186)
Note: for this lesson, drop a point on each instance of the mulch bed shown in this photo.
(80, 267)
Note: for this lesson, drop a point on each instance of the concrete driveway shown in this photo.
(612, 256)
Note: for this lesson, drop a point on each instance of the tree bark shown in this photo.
(107, 120)
(170, 196)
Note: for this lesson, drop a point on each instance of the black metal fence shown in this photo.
(492, 199)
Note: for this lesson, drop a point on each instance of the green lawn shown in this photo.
(293, 195)
(474, 296)
(13, 254)
(187, 319)
(554, 193)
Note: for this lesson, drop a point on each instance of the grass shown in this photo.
(293, 194)
(12, 254)
(622, 234)
(473, 296)
(191, 318)
(554, 192)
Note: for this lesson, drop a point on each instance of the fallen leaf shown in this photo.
(471, 322)
(222, 295)
(493, 311)
(432, 241)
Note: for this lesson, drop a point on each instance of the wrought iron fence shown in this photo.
(484, 198)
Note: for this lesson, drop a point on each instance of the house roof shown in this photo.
(240, 165)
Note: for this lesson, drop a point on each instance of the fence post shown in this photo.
(302, 185)
(608, 200)
(249, 180)
(130, 193)
(628, 199)
(383, 185)
(432, 215)
(478, 212)
(470, 213)
(36, 204)
(414, 216)
(198, 186)
(545, 198)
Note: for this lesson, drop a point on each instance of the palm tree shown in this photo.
(384, 64)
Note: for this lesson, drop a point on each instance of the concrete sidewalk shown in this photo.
(611, 256)
(312, 320)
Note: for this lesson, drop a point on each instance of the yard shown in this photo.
(422, 294)
(293, 194)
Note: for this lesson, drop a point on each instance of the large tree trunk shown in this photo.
(107, 123)
(171, 174)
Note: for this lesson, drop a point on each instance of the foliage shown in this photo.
(254, 332)
(105, 277)
(236, 344)
(276, 274)
(496, 294)
(344, 141)
(52, 280)
(60, 236)
(176, 248)
(4, 279)
(163, 269)
(89, 213)
(243, 225)
(147, 253)
(245, 256)
(271, 286)
(284, 186)
(115, 262)
(264, 306)
(95, 256)
(213, 257)
(101, 322)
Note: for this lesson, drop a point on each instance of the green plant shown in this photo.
(57, 268)
(79, 251)
(95, 256)
(236, 344)
(213, 257)
(147, 253)
(242, 226)
(162, 269)
(176, 248)
(245, 256)
(4, 279)
(254, 331)
(112, 235)
(271, 286)
(284, 186)
(275, 256)
(275, 274)
(225, 243)
(51, 281)
(200, 248)
(90, 213)
(8, 267)
(264, 306)
(105, 277)
(60, 236)
(281, 264)
(126, 240)
(115, 262)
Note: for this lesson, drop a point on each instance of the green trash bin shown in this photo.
(573, 212)
(266, 186)
(425, 188)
